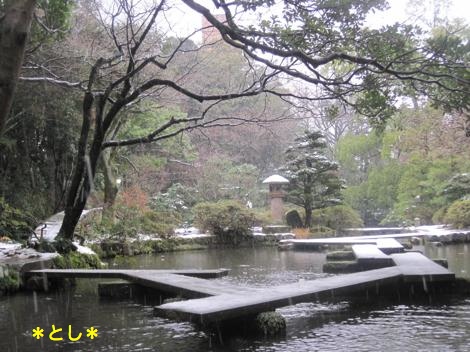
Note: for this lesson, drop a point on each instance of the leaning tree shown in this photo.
(327, 47)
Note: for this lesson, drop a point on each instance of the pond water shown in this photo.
(127, 325)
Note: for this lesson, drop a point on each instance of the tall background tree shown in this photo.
(15, 23)
(313, 178)
(124, 63)
(49, 19)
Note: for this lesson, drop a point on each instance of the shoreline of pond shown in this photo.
(111, 248)
(10, 273)
(16, 259)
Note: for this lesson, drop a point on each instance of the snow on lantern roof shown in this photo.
(276, 179)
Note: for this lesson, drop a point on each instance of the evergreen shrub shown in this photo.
(337, 217)
(439, 216)
(458, 214)
(229, 221)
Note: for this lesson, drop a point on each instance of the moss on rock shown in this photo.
(76, 260)
(270, 324)
(340, 255)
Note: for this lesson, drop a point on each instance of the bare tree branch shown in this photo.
(55, 81)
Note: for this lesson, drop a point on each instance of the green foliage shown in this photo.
(9, 280)
(15, 223)
(57, 13)
(421, 189)
(262, 216)
(337, 217)
(388, 191)
(131, 221)
(457, 187)
(39, 147)
(76, 260)
(62, 245)
(451, 42)
(55, 19)
(229, 221)
(323, 27)
(45, 246)
(376, 196)
(160, 222)
(357, 154)
(458, 214)
(34, 169)
(110, 248)
(132, 216)
(177, 198)
(221, 178)
(126, 225)
(149, 119)
(320, 231)
(439, 217)
(416, 167)
(376, 103)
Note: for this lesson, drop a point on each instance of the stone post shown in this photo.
(276, 196)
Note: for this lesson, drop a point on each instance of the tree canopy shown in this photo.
(119, 58)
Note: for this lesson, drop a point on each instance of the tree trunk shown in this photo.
(84, 170)
(308, 199)
(14, 29)
(308, 217)
(76, 201)
(110, 186)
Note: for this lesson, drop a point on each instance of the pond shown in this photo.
(127, 325)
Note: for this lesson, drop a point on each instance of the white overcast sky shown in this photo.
(189, 21)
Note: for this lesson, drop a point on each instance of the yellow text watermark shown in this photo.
(56, 334)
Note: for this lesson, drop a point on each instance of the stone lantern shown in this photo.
(276, 195)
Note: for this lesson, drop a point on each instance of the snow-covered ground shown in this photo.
(12, 253)
(432, 233)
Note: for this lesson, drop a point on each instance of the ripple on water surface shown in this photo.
(127, 326)
(396, 328)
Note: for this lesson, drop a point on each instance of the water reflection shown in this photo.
(130, 326)
(458, 257)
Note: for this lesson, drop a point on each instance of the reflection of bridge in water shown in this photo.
(212, 302)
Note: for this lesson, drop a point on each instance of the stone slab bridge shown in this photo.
(212, 303)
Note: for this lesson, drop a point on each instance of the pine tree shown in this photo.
(314, 181)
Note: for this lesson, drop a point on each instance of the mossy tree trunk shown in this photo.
(110, 186)
(15, 25)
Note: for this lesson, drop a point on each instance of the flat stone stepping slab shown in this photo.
(411, 267)
(315, 243)
(369, 255)
(332, 241)
(187, 287)
(389, 245)
(416, 267)
(181, 283)
(230, 306)
(119, 273)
